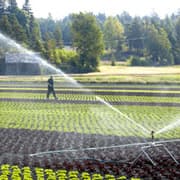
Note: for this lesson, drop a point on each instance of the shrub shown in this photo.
(137, 61)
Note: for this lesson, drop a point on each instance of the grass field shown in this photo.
(119, 69)
(117, 74)
(129, 74)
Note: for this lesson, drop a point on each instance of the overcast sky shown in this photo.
(61, 8)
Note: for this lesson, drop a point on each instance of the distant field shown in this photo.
(129, 74)
(107, 69)
(117, 74)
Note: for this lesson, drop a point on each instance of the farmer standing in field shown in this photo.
(51, 88)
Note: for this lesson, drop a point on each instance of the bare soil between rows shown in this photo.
(122, 103)
(96, 87)
(96, 93)
(17, 144)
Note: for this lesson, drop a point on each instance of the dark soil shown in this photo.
(17, 144)
(125, 103)
(97, 87)
(95, 92)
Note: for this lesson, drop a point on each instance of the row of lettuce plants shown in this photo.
(14, 172)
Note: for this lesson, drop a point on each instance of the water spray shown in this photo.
(145, 131)
(169, 127)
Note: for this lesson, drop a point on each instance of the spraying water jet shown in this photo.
(169, 127)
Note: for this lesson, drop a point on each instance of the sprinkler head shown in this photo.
(152, 135)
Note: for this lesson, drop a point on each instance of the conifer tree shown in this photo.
(35, 39)
(58, 36)
(113, 32)
(26, 7)
(5, 25)
(177, 43)
(159, 46)
(18, 32)
(2, 6)
(12, 5)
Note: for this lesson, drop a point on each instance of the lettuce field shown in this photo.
(93, 131)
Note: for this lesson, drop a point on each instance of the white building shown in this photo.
(22, 64)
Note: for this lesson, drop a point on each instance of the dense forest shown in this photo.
(78, 42)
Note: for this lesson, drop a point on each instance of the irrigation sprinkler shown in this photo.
(147, 145)
(152, 135)
(154, 145)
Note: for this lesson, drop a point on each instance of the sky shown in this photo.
(61, 8)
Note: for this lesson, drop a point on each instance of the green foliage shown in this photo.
(52, 36)
(177, 43)
(15, 172)
(87, 40)
(22, 27)
(34, 35)
(10, 26)
(159, 46)
(66, 30)
(65, 56)
(155, 39)
(113, 33)
(125, 18)
(67, 60)
(135, 34)
(18, 32)
(58, 36)
(113, 60)
(5, 25)
(22, 17)
(137, 61)
(50, 46)
(51, 29)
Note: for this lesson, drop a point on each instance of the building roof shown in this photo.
(22, 58)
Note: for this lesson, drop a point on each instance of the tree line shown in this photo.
(77, 42)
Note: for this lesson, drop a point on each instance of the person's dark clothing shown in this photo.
(51, 88)
(50, 83)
